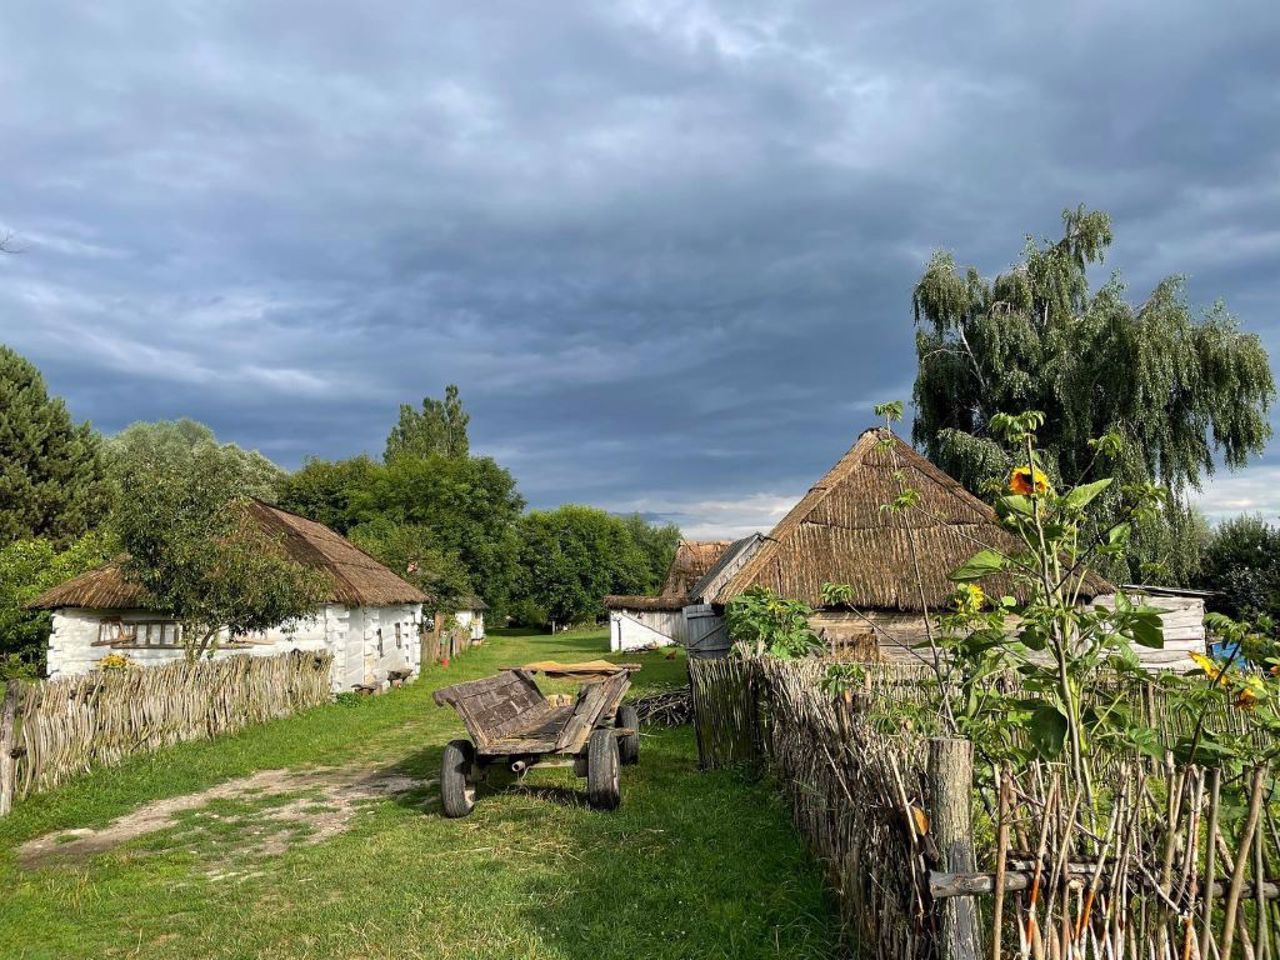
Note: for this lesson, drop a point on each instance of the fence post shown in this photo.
(951, 785)
(8, 764)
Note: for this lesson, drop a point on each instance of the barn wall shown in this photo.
(713, 587)
(1183, 622)
(893, 635)
(472, 621)
(637, 629)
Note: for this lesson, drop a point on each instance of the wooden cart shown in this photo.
(512, 723)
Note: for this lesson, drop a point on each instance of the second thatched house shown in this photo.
(697, 571)
(897, 565)
(370, 619)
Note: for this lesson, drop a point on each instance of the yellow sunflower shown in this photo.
(1028, 480)
(969, 598)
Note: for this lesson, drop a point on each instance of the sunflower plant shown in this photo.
(1073, 660)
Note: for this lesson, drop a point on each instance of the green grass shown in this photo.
(692, 865)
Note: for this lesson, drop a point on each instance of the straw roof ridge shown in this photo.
(839, 533)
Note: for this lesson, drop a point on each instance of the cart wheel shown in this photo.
(457, 778)
(629, 746)
(602, 770)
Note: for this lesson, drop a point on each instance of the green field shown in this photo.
(304, 865)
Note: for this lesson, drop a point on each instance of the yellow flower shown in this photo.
(969, 598)
(1211, 669)
(1028, 480)
(115, 661)
(1250, 693)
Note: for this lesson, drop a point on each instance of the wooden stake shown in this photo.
(8, 765)
(951, 783)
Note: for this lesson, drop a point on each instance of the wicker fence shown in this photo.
(932, 856)
(54, 730)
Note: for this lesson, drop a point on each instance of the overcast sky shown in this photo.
(665, 249)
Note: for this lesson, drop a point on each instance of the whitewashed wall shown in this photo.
(361, 653)
(473, 621)
(638, 629)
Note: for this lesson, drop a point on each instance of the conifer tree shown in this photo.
(51, 478)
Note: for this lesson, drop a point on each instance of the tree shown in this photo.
(51, 477)
(408, 549)
(439, 428)
(174, 440)
(459, 509)
(1242, 564)
(326, 490)
(467, 506)
(658, 543)
(1172, 390)
(572, 557)
(27, 569)
(193, 544)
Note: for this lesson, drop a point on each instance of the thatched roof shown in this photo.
(838, 533)
(358, 579)
(732, 557)
(623, 602)
(692, 560)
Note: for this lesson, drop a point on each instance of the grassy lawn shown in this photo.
(692, 865)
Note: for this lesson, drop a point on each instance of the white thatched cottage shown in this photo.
(370, 620)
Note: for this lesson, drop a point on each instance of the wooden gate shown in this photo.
(707, 632)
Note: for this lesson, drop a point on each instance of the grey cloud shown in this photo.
(665, 248)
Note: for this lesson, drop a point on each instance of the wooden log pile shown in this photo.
(666, 708)
(63, 728)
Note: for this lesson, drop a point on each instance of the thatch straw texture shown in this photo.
(357, 579)
(692, 560)
(840, 533)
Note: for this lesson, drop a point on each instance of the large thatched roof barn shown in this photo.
(369, 620)
(897, 564)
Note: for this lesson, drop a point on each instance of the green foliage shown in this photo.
(27, 569)
(326, 490)
(1177, 390)
(658, 542)
(761, 623)
(51, 477)
(1242, 563)
(407, 549)
(174, 441)
(572, 557)
(460, 516)
(438, 429)
(193, 545)
(468, 506)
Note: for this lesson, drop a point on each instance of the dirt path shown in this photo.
(261, 814)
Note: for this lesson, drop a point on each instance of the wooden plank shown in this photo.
(599, 699)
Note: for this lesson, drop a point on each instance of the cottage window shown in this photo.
(397, 636)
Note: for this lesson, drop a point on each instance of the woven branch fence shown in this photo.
(54, 730)
(932, 854)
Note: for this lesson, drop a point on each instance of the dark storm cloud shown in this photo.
(666, 249)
